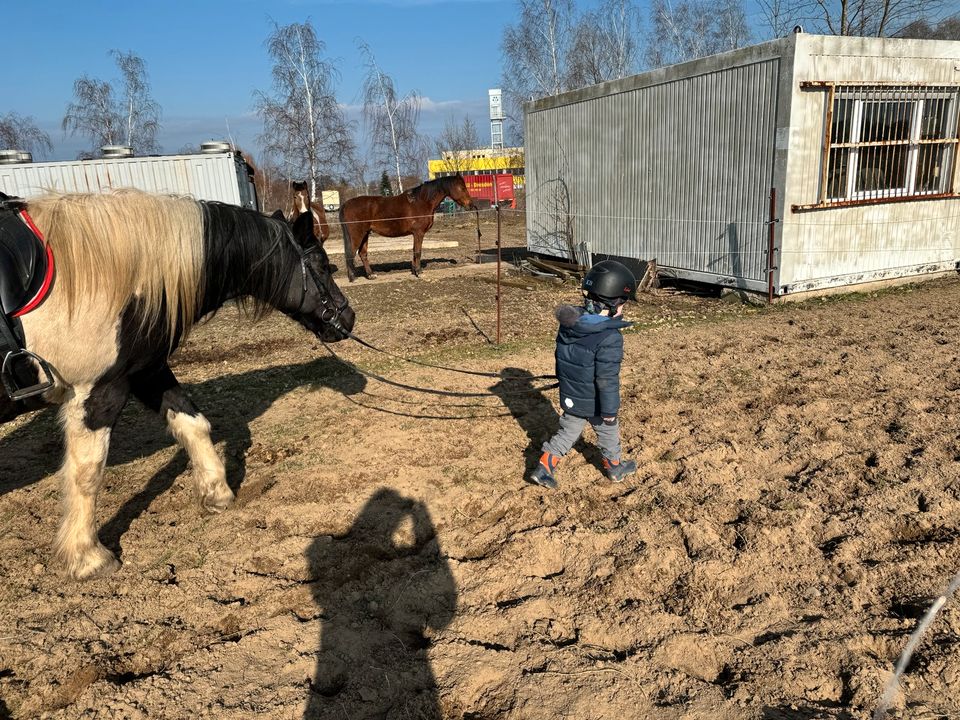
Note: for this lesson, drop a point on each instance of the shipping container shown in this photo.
(222, 176)
(802, 164)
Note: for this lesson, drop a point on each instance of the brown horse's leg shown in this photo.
(363, 256)
(417, 248)
(349, 247)
(87, 421)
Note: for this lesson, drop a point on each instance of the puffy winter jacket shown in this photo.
(589, 353)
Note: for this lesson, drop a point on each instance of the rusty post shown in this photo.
(496, 200)
(771, 230)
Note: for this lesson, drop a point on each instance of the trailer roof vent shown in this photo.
(25, 157)
(215, 146)
(9, 157)
(117, 151)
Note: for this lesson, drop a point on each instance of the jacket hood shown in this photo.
(575, 322)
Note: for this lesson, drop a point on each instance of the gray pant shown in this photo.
(571, 427)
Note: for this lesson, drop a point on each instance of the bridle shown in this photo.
(331, 311)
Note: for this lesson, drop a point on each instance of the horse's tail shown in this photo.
(348, 250)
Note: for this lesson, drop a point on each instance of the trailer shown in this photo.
(216, 173)
(806, 164)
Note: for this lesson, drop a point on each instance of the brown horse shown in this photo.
(301, 202)
(408, 214)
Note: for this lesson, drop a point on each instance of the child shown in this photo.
(589, 353)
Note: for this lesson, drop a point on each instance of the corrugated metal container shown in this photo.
(679, 164)
(221, 176)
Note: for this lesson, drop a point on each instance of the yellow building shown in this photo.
(481, 161)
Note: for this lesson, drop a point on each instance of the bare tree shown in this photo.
(140, 112)
(694, 28)
(946, 29)
(879, 18)
(455, 142)
(93, 113)
(535, 55)
(391, 120)
(131, 119)
(21, 133)
(304, 126)
(604, 43)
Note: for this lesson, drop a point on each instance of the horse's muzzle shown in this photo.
(339, 327)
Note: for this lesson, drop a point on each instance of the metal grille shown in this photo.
(887, 142)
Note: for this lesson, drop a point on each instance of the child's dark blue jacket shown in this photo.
(589, 353)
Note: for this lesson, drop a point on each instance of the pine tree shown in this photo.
(385, 187)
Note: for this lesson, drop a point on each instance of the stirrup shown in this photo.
(14, 391)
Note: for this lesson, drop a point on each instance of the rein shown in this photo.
(434, 391)
(442, 367)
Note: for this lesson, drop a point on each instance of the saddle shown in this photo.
(26, 275)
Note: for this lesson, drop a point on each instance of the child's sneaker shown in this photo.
(617, 470)
(543, 473)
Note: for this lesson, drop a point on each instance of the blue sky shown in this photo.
(205, 58)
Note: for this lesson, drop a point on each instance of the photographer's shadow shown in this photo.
(384, 592)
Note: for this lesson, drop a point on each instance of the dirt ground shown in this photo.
(796, 510)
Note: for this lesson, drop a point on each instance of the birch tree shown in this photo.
(130, 117)
(391, 120)
(141, 114)
(535, 54)
(21, 133)
(694, 28)
(304, 125)
(604, 44)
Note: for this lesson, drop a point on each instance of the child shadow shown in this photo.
(385, 592)
(527, 402)
(525, 398)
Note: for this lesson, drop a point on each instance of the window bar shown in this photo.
(853, 157)
(827, 136)
(913, 153)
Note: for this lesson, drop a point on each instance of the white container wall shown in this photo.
(679, 165)
(220, 176)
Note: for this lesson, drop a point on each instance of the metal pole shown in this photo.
(496, 200)
(771, 230)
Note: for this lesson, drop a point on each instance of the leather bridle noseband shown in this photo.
(331, 311)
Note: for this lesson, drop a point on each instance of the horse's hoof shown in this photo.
(372, 276)
(216, 502)
(97, 563)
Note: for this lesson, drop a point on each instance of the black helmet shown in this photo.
(610, 282)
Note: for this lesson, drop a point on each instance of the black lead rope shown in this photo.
(479, 373)
(432, 391)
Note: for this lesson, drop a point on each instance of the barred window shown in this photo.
(886, 142)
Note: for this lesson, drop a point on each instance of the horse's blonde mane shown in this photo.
(113, 247)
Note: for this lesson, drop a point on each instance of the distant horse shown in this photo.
(134, 273)
(408, 214)
(301, 202)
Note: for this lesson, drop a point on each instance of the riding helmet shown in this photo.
(610, 282)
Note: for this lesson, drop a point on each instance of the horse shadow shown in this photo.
(534, 412)
(404, 265)
(230, 402)
(384, 592)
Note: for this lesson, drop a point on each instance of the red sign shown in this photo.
(481, 187)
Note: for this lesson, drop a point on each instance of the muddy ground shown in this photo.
(796, 510)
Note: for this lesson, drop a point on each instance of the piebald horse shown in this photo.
(410, 213)
(301, 203)
(135, 273)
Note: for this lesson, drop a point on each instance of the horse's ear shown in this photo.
(278, 215)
